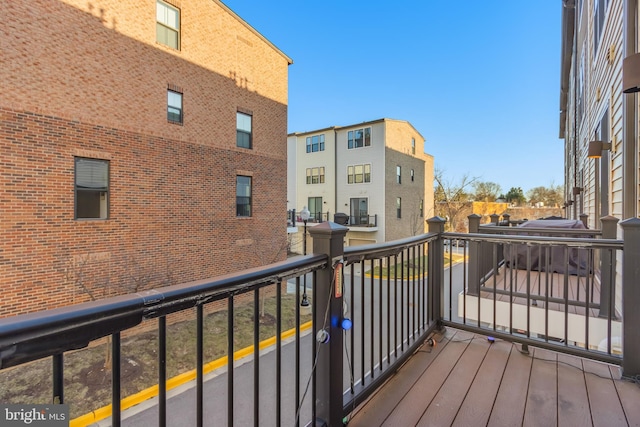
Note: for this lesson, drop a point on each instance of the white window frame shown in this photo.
(359, 174)
(244, 126)
(353, 142)
(167, 23)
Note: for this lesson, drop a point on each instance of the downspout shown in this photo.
(575, 114)
(629, 114)
(568, 52)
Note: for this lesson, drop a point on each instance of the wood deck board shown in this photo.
(606, 408)
(573, 402)
(425, 389)
(508, 409)
(383, 402)
(502, 387)
(478, 402)
(542, 400)
(628, 394)
(445, 405)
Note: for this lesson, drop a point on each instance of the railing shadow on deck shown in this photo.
(372, 307)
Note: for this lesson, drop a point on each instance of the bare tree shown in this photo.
(139, 276)
(266, 251)
(82, 272)
(451, 197)
(416, 219)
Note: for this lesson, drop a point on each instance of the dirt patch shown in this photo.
(98, 376)
(266, 319)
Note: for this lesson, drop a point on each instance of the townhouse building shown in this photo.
(598, 108)
(374, 177)
(143, 143)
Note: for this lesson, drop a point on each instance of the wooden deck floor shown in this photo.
(467, 381)
(541, 284)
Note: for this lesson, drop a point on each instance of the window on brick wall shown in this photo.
(413, 146)
(398, 174)
(167, 24)
(91, 188)
(243, 195)
(399, 207)
(174, 107)
(243, 130)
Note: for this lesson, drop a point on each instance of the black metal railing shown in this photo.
(363, 221)
(386, 295)
(293, 217)
(372, 307)
(56, 333)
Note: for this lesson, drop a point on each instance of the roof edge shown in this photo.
(253, 30)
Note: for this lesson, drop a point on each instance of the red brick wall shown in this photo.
(89, 80)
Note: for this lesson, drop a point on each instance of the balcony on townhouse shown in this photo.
(352, 221)
(515, 326)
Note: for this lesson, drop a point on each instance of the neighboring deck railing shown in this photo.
(395, 295)
(551, 290)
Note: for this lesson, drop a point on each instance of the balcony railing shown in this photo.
(372, 307)
(363, 221)
(293, 217)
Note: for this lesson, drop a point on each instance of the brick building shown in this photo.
(142, 143)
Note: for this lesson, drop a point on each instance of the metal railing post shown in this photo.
(585, 219)
(473, 287)
(630, 297)
(328, 238)
(607, 268)
(436, 268)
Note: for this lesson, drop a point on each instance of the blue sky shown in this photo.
(480, 80)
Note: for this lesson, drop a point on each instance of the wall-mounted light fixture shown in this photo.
(577, 190)
(596, 148)
(631, 73)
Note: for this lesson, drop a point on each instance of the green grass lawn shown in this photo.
(411, 268)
